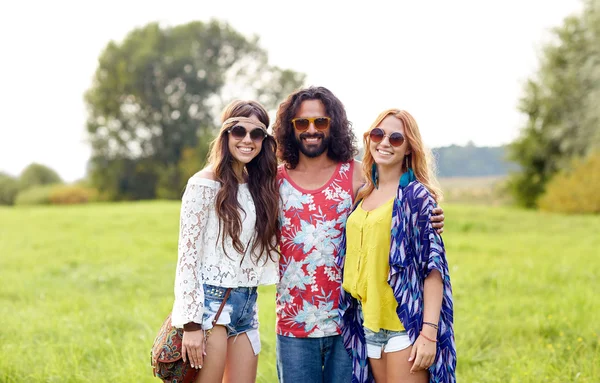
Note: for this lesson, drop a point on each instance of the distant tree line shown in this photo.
(469, 161)
(472, 161)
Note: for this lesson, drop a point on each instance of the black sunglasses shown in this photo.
(377, 134)
(239, 132)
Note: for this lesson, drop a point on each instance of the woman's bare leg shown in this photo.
(379, 367)
(398, 368)
(214, 360)
(241, 363)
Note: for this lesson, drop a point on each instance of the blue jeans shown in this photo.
(313, 360)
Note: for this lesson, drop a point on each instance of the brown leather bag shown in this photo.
(166, 358)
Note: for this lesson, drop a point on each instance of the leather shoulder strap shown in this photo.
(227, 292)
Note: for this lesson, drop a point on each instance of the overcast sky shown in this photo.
(457, 66)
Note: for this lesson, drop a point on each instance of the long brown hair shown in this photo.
(262, 183)
(420, 159)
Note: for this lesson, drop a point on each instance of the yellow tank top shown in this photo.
(366, 268)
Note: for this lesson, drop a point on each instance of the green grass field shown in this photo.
(84, 289)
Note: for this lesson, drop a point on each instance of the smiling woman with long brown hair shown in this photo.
(228, 237)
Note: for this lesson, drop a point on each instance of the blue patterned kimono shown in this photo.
(415, 250)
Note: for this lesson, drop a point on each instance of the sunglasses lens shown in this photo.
(257, 134)
(396, 139)
(321, 123)
(238, 132)
(301, 123)
(376, 135)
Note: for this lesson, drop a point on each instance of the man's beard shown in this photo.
(312, 151)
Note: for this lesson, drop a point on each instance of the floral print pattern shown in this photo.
(312, 223)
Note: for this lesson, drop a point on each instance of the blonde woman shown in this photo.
(396, 304)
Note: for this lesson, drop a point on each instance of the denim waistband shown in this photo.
(241, 289)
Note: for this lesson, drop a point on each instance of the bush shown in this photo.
(56, 194)
(9, 187)
(36, 175)
(72, 194)
(36, 195)
(575, 191)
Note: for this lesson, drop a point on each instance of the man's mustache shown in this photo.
(316, 135)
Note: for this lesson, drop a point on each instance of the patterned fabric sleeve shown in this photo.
(431, 255)
(429, 246)
(196, 203)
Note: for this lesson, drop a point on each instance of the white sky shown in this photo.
(457, 66)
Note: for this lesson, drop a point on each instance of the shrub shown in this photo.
(35, 195)
(575, 191)
(72, 194)
(9, 187)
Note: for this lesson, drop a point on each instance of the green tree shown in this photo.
(159, 92)
(37, 175)
(561, 102)
(9, 187)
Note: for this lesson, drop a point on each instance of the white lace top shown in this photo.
(200, 253)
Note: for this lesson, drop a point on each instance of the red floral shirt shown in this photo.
(312, 225)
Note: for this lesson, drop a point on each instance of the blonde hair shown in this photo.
(420, 158)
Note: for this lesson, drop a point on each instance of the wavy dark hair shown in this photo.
(342, 142)
(262, 183)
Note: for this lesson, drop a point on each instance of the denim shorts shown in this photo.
(239, 315)
(386, 341)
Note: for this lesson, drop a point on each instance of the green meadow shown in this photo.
(85, 288)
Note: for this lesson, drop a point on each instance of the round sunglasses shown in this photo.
(395, 139)
(302, 124)
(239, 132)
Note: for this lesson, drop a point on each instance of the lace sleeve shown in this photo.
(189, 295)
